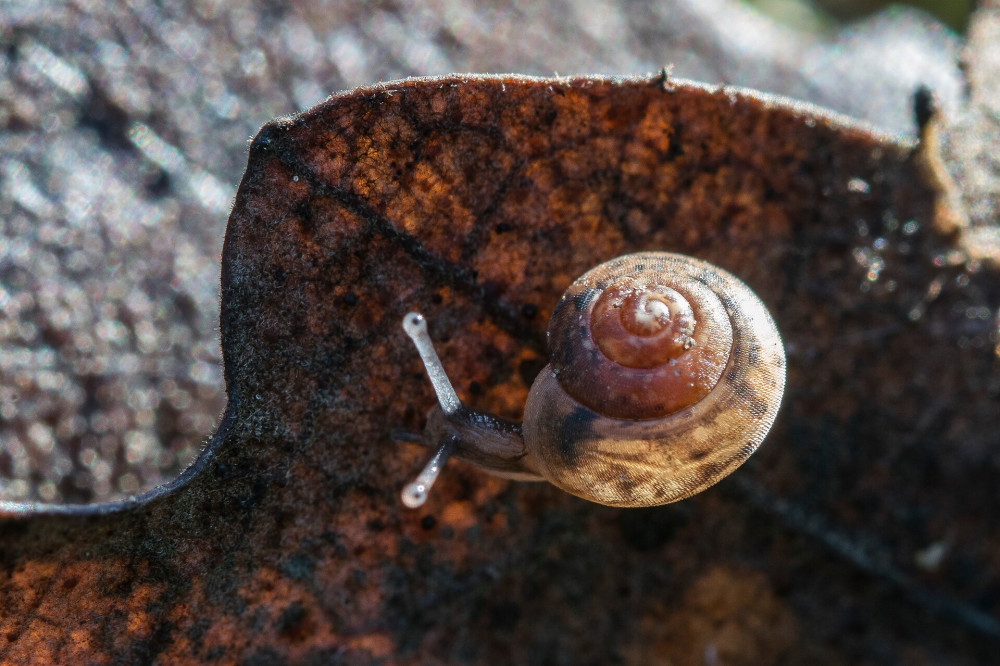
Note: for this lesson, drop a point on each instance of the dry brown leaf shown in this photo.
(477, 200)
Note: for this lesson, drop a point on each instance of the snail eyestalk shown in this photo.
(415, 494)
(416, 327)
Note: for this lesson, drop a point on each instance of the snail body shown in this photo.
(665, 375)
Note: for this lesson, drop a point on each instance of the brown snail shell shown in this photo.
(628, 436)
(665, 374)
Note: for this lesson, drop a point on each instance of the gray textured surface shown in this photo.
(124, 135)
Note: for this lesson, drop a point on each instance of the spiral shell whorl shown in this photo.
(640, 336)
(628, 460)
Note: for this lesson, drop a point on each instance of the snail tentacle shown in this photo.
(493, 444)
(415, 493)
(416, 327)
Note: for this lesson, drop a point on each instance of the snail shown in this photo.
(665, 375)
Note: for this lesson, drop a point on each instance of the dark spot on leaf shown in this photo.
(299, 567)
(676, 147)
(265, 656)
(647, 529)
(529, 368)
(292, 622)
(504, 615)
(264, 139)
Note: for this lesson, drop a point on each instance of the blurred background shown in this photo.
(830, 14)
(124, 134)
